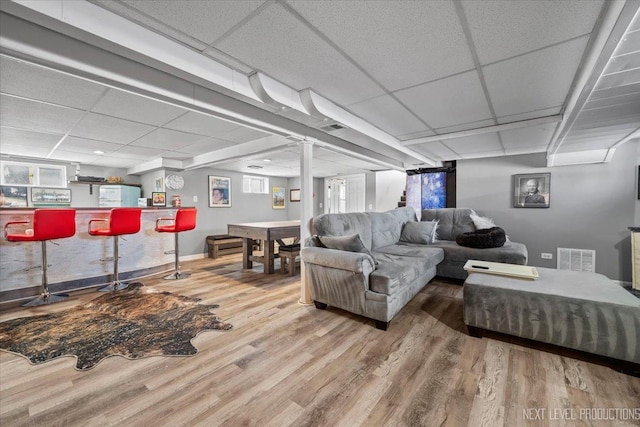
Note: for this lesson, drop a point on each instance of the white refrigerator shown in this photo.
(112, 196)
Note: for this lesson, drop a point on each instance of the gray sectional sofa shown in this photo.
(378, 277)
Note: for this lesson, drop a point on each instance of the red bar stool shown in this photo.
(121, 221)
(48, 224)
(184, 220)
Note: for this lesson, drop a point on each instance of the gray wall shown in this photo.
(591, 206)
(85, 196)
(293, 209)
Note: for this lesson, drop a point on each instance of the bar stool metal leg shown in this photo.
(177, 275)
(45, 297)
(116, 285)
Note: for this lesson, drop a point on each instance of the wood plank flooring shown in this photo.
(288, 364)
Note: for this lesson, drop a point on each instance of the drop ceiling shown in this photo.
(231, 83)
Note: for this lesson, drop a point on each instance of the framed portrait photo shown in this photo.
(159, 198)
(219, 192)
(294, 195)
(277, 197)
(532, 190)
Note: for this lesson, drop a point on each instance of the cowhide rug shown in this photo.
(134, 323)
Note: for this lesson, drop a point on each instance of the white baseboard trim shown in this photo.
(623, 283)
(193, 257)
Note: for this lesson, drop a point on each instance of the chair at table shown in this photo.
(184, 220)
(121, 221)
(47, 224)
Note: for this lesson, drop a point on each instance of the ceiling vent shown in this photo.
(330, 127)
(254, 167)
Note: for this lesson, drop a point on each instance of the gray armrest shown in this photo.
(356, 262)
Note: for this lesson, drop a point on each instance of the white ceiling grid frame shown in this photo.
(136, 108)
(543, 78)
(389, 115)
(278, 44)
(35, 82)
(464, 97)
(110, 129)
(519, 24)
(427, 33)
(475, 144)
(36, 115)
(167, 139)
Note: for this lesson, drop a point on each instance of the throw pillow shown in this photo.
(482, 239)
(349, 243)
(481, 222)
(423, 232)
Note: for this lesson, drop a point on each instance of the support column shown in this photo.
(306, 210)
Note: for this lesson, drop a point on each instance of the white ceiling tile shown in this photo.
(503, 29)
(630, 61)
(436, 148)
(110, 129)
(510, 118)
(447, 102)
(243, 134)
(465, 126)
(475, 144)
(201, 124)
(525, 150)
(167, 139)
(204, 20)
(136, 108)
(528, 136)
(389, 115)
(535, 81)
(400, 43)
(594, 144)
(25, 150)
(43, 84)
(416, 135)
(10, 136)
(71, 156)
(83, 145)
(278, 44)
(115, 162)
(140, 153)
(483, 154)
(627, 78)
(33, 115)
(206, 146)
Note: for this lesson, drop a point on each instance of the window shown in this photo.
(255, 184)
(32, 174)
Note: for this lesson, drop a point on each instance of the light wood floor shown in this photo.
(288, 364)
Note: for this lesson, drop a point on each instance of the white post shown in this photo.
(306, 210)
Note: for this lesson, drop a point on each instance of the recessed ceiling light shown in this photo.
(98, 152)
(266, 160)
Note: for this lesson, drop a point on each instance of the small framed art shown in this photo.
(294, 195)
(277, 197)
(219, 192)
(532, 190)
(158, 198)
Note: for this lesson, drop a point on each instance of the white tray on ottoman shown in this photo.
(578, 310)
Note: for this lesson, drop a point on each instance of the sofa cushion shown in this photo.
(423, 232)
(343, 224)
(511, 253)
(395, 271)
(481, 222)
(431, 255)
(493, 237)
(385, 229)
(453, 221)
(349, 243)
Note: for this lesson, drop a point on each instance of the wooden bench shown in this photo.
(223, 244)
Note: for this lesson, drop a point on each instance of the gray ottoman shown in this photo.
(583, 311)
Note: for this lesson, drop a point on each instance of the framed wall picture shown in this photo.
(294, 195)
(277, 197)
(159, 184)
(158, 198)
(51, 196)
(13, 197)
(219, 192)
(532, 190)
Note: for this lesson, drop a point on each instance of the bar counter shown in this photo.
(81, 261)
